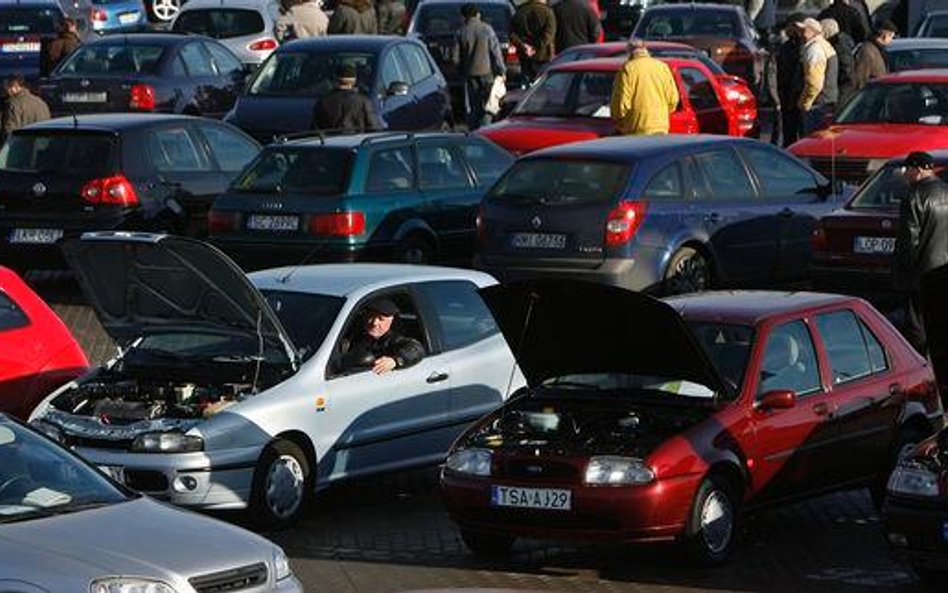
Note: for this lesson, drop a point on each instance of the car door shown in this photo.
(430, 100)
(712, 118)
(398, 109)
(230, 78)
(449, 198)
(197, 89)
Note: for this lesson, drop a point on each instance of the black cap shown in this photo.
(920, 159)
(796, 17)
(383, 306)
(887, 25)
(346, 70)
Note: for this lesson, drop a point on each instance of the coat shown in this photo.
(868, 63)
(53, 52)
(305, 20)
(921, 244)
(354, 17)
(844, 46)
(820, 74)
(23, 109)
(643, 96)
(575, 24)
(477, 50)
(534, 24)
(391, 17)
(347, 111)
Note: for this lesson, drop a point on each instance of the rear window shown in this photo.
(322, 171)
(687, 23)
(309, 74)
(904, 103)
(18, 20)
(551, 182)
(61, 152)
(220, 23)
(886, 189)
(113, 58)
(446, 20)
(917, 59)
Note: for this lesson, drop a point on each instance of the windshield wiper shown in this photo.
(37, 511)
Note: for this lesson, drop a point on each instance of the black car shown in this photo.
(62, 177)
(146, 72)
(24, 25)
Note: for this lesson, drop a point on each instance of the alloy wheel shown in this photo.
(717, 521)
(166, 10)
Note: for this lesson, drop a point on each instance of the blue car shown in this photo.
(398, 74)
(117, 16)
(665, 214)
(24, 25)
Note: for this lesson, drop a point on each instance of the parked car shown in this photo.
(38, 353)
(723, 30)
(891, 116)
(659, 213)
(935, 24)
(619, 17)
(116, 16)
(246, 27)
(398, 74)
(62, 177)
(64, 526)
(230, 392)
(24, 24)
(735, 401)
(915, 53)
(378, 197)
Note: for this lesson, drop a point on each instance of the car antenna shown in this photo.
(286, 277)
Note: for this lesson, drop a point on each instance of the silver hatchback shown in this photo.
(246, 27)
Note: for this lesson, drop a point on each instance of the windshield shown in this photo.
(906, 103)
(564, 94)
(553, 182)
(320, 171)
(446, 19)
(220, 23)
(659, 24)
(885, 189)
(195, 346)
(309, 74)
(917, 59)
(629, 382)
(728, 345)
(90, 155)
(113, 58)
(39, 478)
(18, 20)
(307, 317)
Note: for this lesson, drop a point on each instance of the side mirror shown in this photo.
(778, 399)
(397, 88)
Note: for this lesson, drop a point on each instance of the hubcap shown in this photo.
(166, 10)
(716, 521)
(284, 486)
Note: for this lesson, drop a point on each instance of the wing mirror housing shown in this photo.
(778, 399)
(397, 88)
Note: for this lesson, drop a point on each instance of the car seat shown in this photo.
(783, 366)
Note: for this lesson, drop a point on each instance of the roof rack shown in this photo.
(387, 136)
(281, 138)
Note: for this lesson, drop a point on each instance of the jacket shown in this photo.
(789, 73)
(922, 242)
(843, 45)
(345, 110)
(354, 17)
(302, 20)
(820, 74)
(53, 52)
(643, 96)
(534, 24)
(391, 17)
(575, 24)
(477, 50)
(850, 20)
(868, 64)
(23, 109)
(363, 350)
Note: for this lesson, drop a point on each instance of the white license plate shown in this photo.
(270, 222)
(20, 47)
(84, 97)
(538, 241)
(553, 499)
(116, 472)
(35, 235)
(884, 245)
(128, 18)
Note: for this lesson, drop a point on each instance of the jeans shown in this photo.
(476, 92)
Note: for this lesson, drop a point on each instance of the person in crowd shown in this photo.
(849, 19)
(922, 241)
(820, 76)
(644, 94)
(391, 17)
(576, 24)
(380, 346)
(54, 51)
(533, 33)
(23, 107)
(869, 61)
(299, 19)
(764, 15)
(479, 61)
(789, 80)
(844, 47)
(354, 17)
(345, 109)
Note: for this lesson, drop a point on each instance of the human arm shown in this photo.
(814, 71)
(497, 65)
(906, 242)
(621, 100)
(403, 352)
(671, 92)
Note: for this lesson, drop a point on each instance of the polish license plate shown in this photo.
(269, 222)
(35, 235)
(84, 97)
(538, 241)
(127, 18)
(116, 472)
(531, 498)
(884, 245)
(20, 47)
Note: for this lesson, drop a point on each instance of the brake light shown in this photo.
(623, 221)
(219, 222)
(263, 45)
(818, 240)
(110, 191)
(511, 54)
(142, 97)
(338, 224)
(99, 15)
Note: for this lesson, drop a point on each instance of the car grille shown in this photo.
(235, 579)
(73, 440)
(146, 480)
(537, 470)
(849, 170)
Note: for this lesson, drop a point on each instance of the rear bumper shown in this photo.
(43, 256)
(258, 255)
(639, 273)
(918, 533)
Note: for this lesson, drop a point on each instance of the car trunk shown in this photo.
(862, 237)
(19, 53)
(89, 94)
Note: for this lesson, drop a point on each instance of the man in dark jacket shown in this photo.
(344, 109)
(844, 46)
(380, 347)
(922, 241)
(354, 17)
(849, 19)
(391, 17)
(23, 107)
(533, 33)
(789, 79)
(479, 60)
(869, 62)
(575, 24)
(53, 52)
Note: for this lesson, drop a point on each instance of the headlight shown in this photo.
(913, 480)
(167, 442)
(129, 585)
(618, 470)
(281, 566)
(475, 462)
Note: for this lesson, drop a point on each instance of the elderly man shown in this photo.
(644, 94)
(820, 76)
(379, 346)
(843, 46)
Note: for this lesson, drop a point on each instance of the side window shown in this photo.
(852, 350)
(227, 64)
(391, 169)
(778, 175)
(789, 361)
(11, 315)
(440, 168)
(419, 68)
(175, 150)
(177, 67)
(665, 185)
(488, 160)
(700, 92)
(392, 71)
(461, 314)
(725, 175)
(196, 60)
(231, 150)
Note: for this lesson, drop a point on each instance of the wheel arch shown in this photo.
(417, 228)
(301, 440)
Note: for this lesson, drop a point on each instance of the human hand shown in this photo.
(383, 364)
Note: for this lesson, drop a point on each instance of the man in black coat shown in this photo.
(789, 79)
(575, 24)
(345, 109)
(849, 19)
(379, 346)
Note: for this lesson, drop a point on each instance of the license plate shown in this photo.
(128, 17)
(269, 222)
(552, 499)
(20, 47)
(84, 97)
(35, 235)
(883, 245)
(116, 472)
(538, 241)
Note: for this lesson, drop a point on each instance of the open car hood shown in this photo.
(143, 283)
(560, 327)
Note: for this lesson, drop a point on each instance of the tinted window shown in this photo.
(446, 19)
(789, 361)
(174, 149)
(231, 150)
(196, 60)
(311, 171)
(724, 174)
(113, 58)
(488, 160)
(306, 317)
(220, 23)
(658, 24)
(665, 185)
(225, 62)
(439, 167)
(779, 175)
(414, 57)
(11, 316)
(886, 189)
(917, 59)
(728, 346)
(551, 182)
(700, 92)
(91, 155)
(462, 315)
(29, 19)
(852, 350)
(309, 74)
(907, 103)
(569, 93)
(391, 170)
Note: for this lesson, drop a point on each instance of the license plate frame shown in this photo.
(32, 236)
(522, 497)
(94, 97)
(874, 245)
(128, 18)
(538, 241)
(281, 223)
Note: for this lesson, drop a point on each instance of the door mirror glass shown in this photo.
(397, 88)
(778, 399)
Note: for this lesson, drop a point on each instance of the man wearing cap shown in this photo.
(922, 241)
(820, 76)
(380, 347)
(869, 62)
(345, 109)
(644, 94)
(784, 77)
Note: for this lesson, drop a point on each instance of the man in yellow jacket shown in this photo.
(644, 94)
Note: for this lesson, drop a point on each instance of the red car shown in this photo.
(889, 117)
(37, 351)
(652, 421)
(571, 101)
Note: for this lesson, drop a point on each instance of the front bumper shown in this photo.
(918, 531)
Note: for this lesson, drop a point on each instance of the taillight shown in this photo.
(338, 224)
(99, 15)
(623, 221)
(142, 97)
(818, 240)
(511, 54)
(263, 45)
(219, 222)
(110, 191)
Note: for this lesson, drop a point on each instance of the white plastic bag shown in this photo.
(498, 91)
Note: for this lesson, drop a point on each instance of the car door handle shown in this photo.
(437, 377)
(822, 409)
(896, 389)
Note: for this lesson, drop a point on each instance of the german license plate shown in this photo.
(271, 222)
(84, 97)
(531, 498)
(116, 472)
(20, 47)
(35, 235)
(538, 241)
(884, 245)
(127, 18)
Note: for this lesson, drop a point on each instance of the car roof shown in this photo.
(692, 6)
(614, 63)
(910, 43)
(750, 307)
(343, 43)
(357, 140)
(30, 3)
(938, 155)
(110, 122)
(929, 75)
(257, 4)
(162, 39)
(611, 46)
(463, 2)
(628, 149)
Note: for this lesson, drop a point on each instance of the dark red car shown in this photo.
(37, 351)
(652, 421)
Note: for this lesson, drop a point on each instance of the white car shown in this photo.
(228, 392)
(246, 27)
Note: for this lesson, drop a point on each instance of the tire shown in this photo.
(688, 271)
(282, 486)
(487, 545)
(908, 436)
(414, 250)
(712, 524)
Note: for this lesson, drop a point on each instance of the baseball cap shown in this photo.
(919, 159)
(382, 306)
(810, 23)
(887, 25)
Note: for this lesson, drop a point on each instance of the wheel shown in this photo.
(688, 271)
(281, 486)
(907, 437)
(712, 523)
(414, 250)
(165, 10)
(487, 545)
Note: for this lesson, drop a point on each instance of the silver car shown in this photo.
(229, 392)
(246, 27)
(66, 527)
